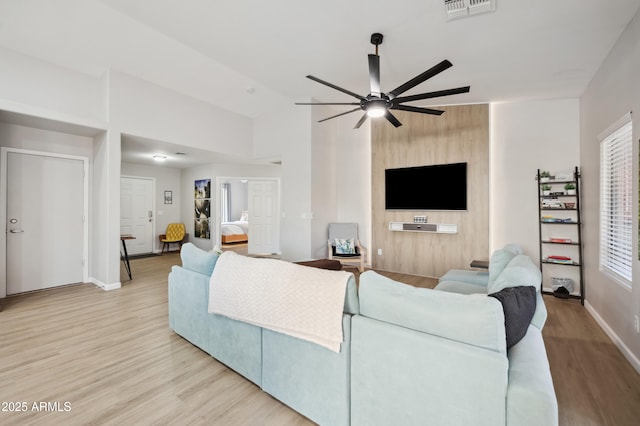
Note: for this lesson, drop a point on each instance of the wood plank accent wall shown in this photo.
(461, 134)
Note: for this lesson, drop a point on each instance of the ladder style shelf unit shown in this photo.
(560, 232)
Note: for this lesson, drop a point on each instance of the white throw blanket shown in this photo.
(297, 300)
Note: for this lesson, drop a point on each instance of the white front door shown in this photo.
(264, 217)
(45, 221)
(136, 213)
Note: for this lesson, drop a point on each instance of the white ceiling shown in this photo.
(216, 50)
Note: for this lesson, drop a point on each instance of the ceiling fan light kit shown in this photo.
(379, 104)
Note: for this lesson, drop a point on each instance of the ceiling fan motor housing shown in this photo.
(371, 102)
(376, 39)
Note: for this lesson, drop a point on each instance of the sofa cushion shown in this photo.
(461, 287)
(474, 319)
(499, 260)
(520, 271)
(518, 304)
(198, 260)
(466, 276)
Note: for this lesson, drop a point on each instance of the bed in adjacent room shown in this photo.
(235, 232)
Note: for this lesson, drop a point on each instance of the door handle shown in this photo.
(16, 231)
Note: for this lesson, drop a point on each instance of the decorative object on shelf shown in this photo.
(564, 176)
(551, 203)
(552, 191)
(570, 188)
(420, 219)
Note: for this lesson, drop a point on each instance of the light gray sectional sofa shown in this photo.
(409, 355)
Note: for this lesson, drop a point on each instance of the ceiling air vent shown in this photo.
(462, 8)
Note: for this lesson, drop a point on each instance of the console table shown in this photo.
(125, 257)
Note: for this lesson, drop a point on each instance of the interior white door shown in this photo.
(45, 221)
(264, 217)
(136, 213)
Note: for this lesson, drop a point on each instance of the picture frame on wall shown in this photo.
(202, 188)
(168, 197)
(202, 208)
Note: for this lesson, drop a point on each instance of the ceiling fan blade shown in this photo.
(392, 119)
(374, 74)
(327, 103)
(338, 115)
(333, 86)
(435, 70)
(437, 94)
(418, 109)
(361, 121)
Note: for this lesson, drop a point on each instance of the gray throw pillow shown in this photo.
(519, 305)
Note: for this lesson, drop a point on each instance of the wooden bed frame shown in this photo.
(235, 238)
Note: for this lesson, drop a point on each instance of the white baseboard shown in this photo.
(633, 360)
(105, 287)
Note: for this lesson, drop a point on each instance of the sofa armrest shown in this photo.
(188, 300)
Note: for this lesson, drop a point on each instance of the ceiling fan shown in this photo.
(377, 103)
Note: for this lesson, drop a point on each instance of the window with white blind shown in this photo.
(225, 202)
(615, 200)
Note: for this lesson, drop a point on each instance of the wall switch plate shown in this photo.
(636, 323)
(379, 252)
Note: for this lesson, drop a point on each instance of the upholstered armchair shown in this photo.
(175, 234)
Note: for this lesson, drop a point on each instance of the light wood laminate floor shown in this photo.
(110, 358)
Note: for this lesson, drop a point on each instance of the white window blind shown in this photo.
(615, 200)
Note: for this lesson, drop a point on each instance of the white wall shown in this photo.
(22, 137)
(525, 137)
(614, 91)
(42, 86)
(286, 133)
(325, 178)
(166, 179)
(144, 109)
(353, 165)
(101, 245)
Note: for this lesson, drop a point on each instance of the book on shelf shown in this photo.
(564, 260)
(560, 240)
(551, 219)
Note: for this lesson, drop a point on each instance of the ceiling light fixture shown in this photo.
(159, 157)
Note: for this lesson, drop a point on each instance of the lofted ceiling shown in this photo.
(250, 56)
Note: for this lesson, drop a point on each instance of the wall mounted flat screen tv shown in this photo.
(436, 187)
